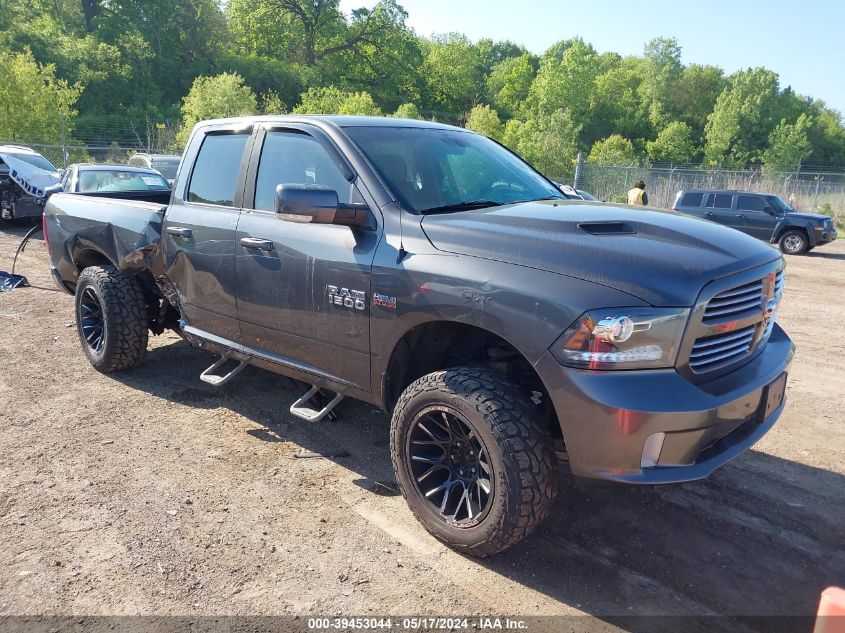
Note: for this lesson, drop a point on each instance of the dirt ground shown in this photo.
(149, 492)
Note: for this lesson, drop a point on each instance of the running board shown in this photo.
(218, 381)
(302, 409)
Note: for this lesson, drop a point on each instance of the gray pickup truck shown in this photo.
(431, 272)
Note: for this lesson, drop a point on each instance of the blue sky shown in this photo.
(803, 40)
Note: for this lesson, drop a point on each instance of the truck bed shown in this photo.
(127, 232)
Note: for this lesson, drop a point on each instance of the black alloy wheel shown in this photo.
(451, 466)
(91, 319)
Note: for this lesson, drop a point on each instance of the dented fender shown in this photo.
(89, 229)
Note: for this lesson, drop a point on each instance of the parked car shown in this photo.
(429, 271)
(26, 178)
(575, 194)
(166, 164)
(762, 215)
(116, 181)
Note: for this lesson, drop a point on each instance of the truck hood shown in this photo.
(661, 257)
(815, 217)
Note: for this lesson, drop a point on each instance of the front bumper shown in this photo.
(607, 416)
(825, 237)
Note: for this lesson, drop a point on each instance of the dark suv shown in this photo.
(761, 215)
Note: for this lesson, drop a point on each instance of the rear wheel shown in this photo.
(472, 460)
(793, 242)
(111, 318)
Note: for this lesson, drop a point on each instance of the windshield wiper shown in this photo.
(462, 206)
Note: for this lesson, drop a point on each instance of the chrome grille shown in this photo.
(735, 302)
(714, 352)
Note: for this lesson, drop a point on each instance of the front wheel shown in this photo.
(472, 460)
(111, 318)
(793, 242)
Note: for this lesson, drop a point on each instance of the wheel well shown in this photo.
(160, 313)
(91, 258)
(439, 345)
(786, 229)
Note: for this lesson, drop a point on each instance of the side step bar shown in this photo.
(218, 381)
(302, 409)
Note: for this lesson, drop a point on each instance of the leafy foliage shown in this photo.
(484, 120)
(167, 63)
(673, 144)
(216, 97)
(789, 145)
(35, 102)
(613, 150)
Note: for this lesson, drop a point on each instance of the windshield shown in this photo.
(117, 180)
(166, 168)
(37, 160)
(439, 170)
(779, 205)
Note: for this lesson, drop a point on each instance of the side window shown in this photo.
(719, 200)
(750, 203)
(215, 174)
(692, 199)
(296, 158)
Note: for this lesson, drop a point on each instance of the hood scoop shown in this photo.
(607, 228)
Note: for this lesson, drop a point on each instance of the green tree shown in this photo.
(662, 70)
(359, 103)
(789, 145)
(332, 100)
(509, 82)
(674, 144)
(223, 95)
(616, 106)
(738, 129)
(614, 150)
(484, 120)
(407, 111)
(34, 101)
(548, 142)
(452, 74)
(694, 97)
(321, 101)
(568, 83)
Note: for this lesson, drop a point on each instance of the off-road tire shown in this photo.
(525, 470)
(789, 242)
(124, 315)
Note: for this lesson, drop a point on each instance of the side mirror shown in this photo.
(316, 204)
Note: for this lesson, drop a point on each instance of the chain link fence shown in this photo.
(816, 190)
(811, 190)
(63, 155)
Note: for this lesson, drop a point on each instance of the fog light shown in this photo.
(651, 450)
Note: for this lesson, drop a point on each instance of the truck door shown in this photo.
(758, 223)
(288, 274)
(198, 232)
(718, 208)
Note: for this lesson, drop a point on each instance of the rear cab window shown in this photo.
(692, 199)
(216, 169)
(720, 201)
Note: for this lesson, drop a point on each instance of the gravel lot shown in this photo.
(149, 492)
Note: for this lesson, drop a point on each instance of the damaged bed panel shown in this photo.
(86, 228)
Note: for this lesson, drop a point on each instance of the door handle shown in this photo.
(179, 231)
(708, 213)
(740, 216)
(257, 243)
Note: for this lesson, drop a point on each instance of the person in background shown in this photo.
(637, 195)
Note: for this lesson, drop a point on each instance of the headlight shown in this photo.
(623, 338)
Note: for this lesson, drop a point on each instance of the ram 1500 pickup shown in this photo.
(429, 271)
